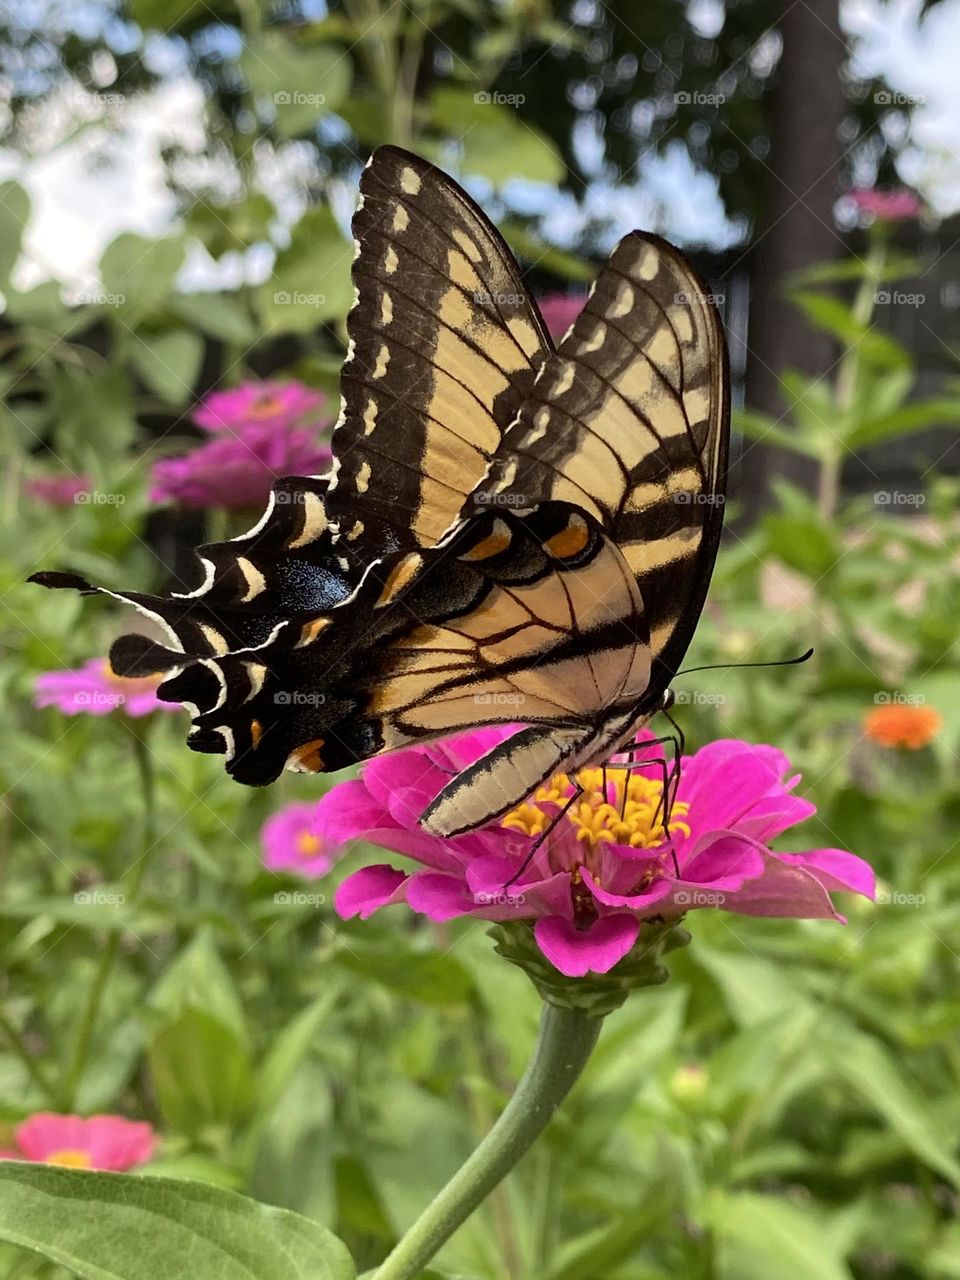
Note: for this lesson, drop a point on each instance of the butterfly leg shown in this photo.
(548, 830)
(670, 779)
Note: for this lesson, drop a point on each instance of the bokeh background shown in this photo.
(177, 182)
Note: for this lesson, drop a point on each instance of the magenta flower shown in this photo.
(101, 1142)
(559, 310)
(57, 490)
(608, 864)
(898, 205)
(291, 844)
(261, 404)
(94, 690)
(235, 471)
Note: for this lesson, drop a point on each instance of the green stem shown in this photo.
(564, 1043)
(16, 1043)
(132, 885)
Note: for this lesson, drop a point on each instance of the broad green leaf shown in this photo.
(216, 314)
(94, 414)
(14, 212)
(109, 1226)
(201, 1073)
(496, 143)
(138, 273)
(311, 279)
(867, 1067)
(759, 1237)
(765, 429)
(836, 318)
(300, 84)
(807, 545)
(169, 363)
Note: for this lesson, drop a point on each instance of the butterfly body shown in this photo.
(512, 532)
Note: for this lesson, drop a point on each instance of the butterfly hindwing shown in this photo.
(444, 344)
(533, 618)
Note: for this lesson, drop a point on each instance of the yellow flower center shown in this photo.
(630, 810)
(308, 845)
(69, 1159)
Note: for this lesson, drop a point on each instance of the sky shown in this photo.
(89, 183)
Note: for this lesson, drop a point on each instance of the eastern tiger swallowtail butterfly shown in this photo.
(511, 531)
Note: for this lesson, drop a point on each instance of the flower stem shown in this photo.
(564, 1043)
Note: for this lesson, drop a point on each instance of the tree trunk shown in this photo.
(805, 167)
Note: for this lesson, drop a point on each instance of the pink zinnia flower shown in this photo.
(291, 844)
(261, 404)
(887, 206)
(608, 864)
(235, 471)
(94, 690)
(57, 490)
(559, 310)
(101, 1142)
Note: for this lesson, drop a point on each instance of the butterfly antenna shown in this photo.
(726, 666)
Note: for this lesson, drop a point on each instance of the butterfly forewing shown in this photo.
(444, 344)
(629, 419)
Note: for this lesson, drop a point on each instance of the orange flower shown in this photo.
(899, 724)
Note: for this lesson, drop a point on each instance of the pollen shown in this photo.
(308, 845)
(903, 725)
(614, 807)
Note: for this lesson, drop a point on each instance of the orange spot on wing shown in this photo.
(569, 541)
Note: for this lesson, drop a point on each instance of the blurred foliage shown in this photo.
(788, 1104)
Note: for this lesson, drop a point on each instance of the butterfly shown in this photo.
(512, 531)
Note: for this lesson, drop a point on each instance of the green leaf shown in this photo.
(836, 318)
(14, 212)
(169, 363)
(301, 85)
(763, 1236)
(138, 273)
(765, 429)
(201, 1072)
(94, 414)
(216, 314)
(867, 1067)
(753, 989)
(425, 976)
(290, 1048)
(311, 279)
(198, 979)
(496, 143)
(108, 1226)
(921, 415)
(804, 544)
